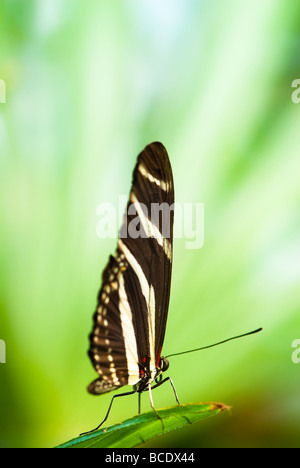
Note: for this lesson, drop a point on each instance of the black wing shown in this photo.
(130, 320)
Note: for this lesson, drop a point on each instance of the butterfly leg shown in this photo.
(139, 403)
(174, 390)
(152, 406)
(108, 411)
(173, 386)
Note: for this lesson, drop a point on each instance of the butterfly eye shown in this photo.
(164, 364)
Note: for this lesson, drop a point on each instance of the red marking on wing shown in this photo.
(158, 358)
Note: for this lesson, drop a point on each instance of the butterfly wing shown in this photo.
(131, 315)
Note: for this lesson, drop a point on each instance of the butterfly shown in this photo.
(129, 323)
(130, 319)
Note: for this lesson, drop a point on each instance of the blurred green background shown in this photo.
(88, 85)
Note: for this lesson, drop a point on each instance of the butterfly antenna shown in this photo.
(215, 344)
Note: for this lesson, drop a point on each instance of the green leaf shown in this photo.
(143, 427)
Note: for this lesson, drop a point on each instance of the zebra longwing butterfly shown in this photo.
(131, 315)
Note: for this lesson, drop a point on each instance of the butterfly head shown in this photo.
(164, 364)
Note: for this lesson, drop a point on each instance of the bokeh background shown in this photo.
(88, 85)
